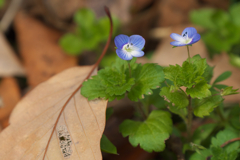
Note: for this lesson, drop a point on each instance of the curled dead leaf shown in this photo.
(78, 131)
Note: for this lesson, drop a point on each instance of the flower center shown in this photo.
(128, 47)
(186, 38)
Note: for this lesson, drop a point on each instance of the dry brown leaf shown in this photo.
(9, 63)
(10, 95)
(31, 123)
(41, 53)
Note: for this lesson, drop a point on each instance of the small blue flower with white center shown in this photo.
(129, 47)
(188, 37)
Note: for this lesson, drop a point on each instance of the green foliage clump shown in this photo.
(88, 34)
(113, 82)
(157, 127)
(195, 77)
(222, 29)
(216, 151)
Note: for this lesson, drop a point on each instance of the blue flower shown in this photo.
(188, 37)
(129, 47)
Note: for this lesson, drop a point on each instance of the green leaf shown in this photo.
(202, 156)
(71, 44)
(84, 17)
(234, 59)
(93, 88)
(202, 132)
(200, 90)
(109, 112)
(104, 26)
(234, 117)
(154, 99)
(208, 73)
(179, 99)
(108, 84)
(223, 76)
(107, 146)
(147, 77)
(235, 122)
(206, 105)
(213, 41)
(172, 72)
(182, 112)
(234, 13)
(200, 63)
(220, 86)
(220, 154)
(108, 60)
(202, 17)
(2, 3)
(188, 75)
(224, 136)
(90, 37)
(228, 91)
(220, 18)
(228, 152)
(115, 82)
(150, 134)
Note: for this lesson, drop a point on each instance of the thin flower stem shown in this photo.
(130, 72)
(189, 120)
(188, 53)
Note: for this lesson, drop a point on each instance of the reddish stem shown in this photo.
(90, 73)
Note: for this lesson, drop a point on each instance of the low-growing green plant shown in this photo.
(222, 29)
(184, 90)
(88, 34)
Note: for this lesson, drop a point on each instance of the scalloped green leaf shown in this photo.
(172, 72)
(150, 134)
(200, 90)
(71, 44)
(177, 98)
(147, 77)
(115, 82)
(108, 84)
(219, 153)
(189, 75)
(206, 105)
(202, 17)
(84, 17)
(200, 63)
(234, 13)
(224, 136)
